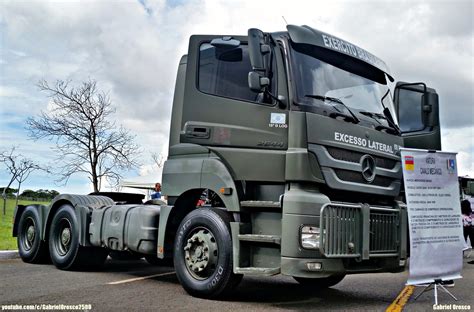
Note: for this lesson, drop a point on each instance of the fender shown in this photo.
(42, 212)
(82, 204)
(191, 166)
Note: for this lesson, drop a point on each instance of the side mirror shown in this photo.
(257, 49)
(257, 82)
(416, 105)
(417, 110)
(431, 109)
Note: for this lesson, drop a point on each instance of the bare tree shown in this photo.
(87, 140)
(20, 169)
(159, 159)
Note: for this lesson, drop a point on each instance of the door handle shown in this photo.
(198, 132)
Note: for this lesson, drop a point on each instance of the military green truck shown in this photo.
(295, 138)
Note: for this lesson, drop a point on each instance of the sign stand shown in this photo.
(434, 285)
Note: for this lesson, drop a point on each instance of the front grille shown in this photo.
(356, 177)
(342, 226)
(383, 232)
(339, 226)
(354, 157)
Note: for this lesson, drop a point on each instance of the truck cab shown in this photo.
(293, 140)
(301, 130)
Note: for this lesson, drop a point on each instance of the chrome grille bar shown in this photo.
(342, 225)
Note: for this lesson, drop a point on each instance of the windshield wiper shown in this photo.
(353, 117)
(373, 115)
(388, 115)
(380, 126)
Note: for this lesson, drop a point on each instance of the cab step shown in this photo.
(257, 271)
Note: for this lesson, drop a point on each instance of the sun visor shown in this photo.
(307, 35)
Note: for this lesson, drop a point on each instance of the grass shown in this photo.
(7, 242)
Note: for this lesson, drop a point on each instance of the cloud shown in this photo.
(132, 48)
(430, 41)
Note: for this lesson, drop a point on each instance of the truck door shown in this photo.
(220, 111)
(418, 115)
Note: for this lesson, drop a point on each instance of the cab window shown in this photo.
(225, 72)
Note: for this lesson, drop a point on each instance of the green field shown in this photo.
(7, 242)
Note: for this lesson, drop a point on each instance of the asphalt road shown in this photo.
(119, 287)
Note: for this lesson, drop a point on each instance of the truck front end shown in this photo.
(340, 209)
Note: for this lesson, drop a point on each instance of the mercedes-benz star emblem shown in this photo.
(367, 163)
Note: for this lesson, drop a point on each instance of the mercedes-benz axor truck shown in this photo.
(294, 138)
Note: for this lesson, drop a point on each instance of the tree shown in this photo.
(8, 190)
(158, 159)
(20, 169)
(87, 140)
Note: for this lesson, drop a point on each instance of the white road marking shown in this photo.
(130, 280)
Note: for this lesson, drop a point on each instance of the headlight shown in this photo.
(310, 237)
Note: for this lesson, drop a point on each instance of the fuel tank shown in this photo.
(126, 227)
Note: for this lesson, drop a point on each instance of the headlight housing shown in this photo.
(310, 235)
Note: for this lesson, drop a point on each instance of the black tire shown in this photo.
(64, 248)
(30, 247)
(320, 283)
(200, 277)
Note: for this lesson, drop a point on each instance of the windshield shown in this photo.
(319, 85)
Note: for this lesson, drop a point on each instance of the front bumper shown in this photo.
(355, 238)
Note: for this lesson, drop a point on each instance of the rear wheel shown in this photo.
(30, 246)
(320, 283)
(203, 253)
(64, 248)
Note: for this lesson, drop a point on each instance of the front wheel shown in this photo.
(203, 253)
(320, 283)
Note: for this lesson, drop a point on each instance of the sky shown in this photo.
(132, 49)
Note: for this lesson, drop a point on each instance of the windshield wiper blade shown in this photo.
(335, 100)
(388, 115)
(380, 126)
(372, 114)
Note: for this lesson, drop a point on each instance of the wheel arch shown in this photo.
(181, 175)
(42, 212)
(82, 205)
(171, 217)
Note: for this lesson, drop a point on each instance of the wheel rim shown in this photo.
(201, 253)
(63, 237)
(29, 234)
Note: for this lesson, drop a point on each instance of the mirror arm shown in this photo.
(280, 99)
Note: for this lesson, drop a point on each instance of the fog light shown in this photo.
(314, 266)
(310, 237)
(402, 262)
